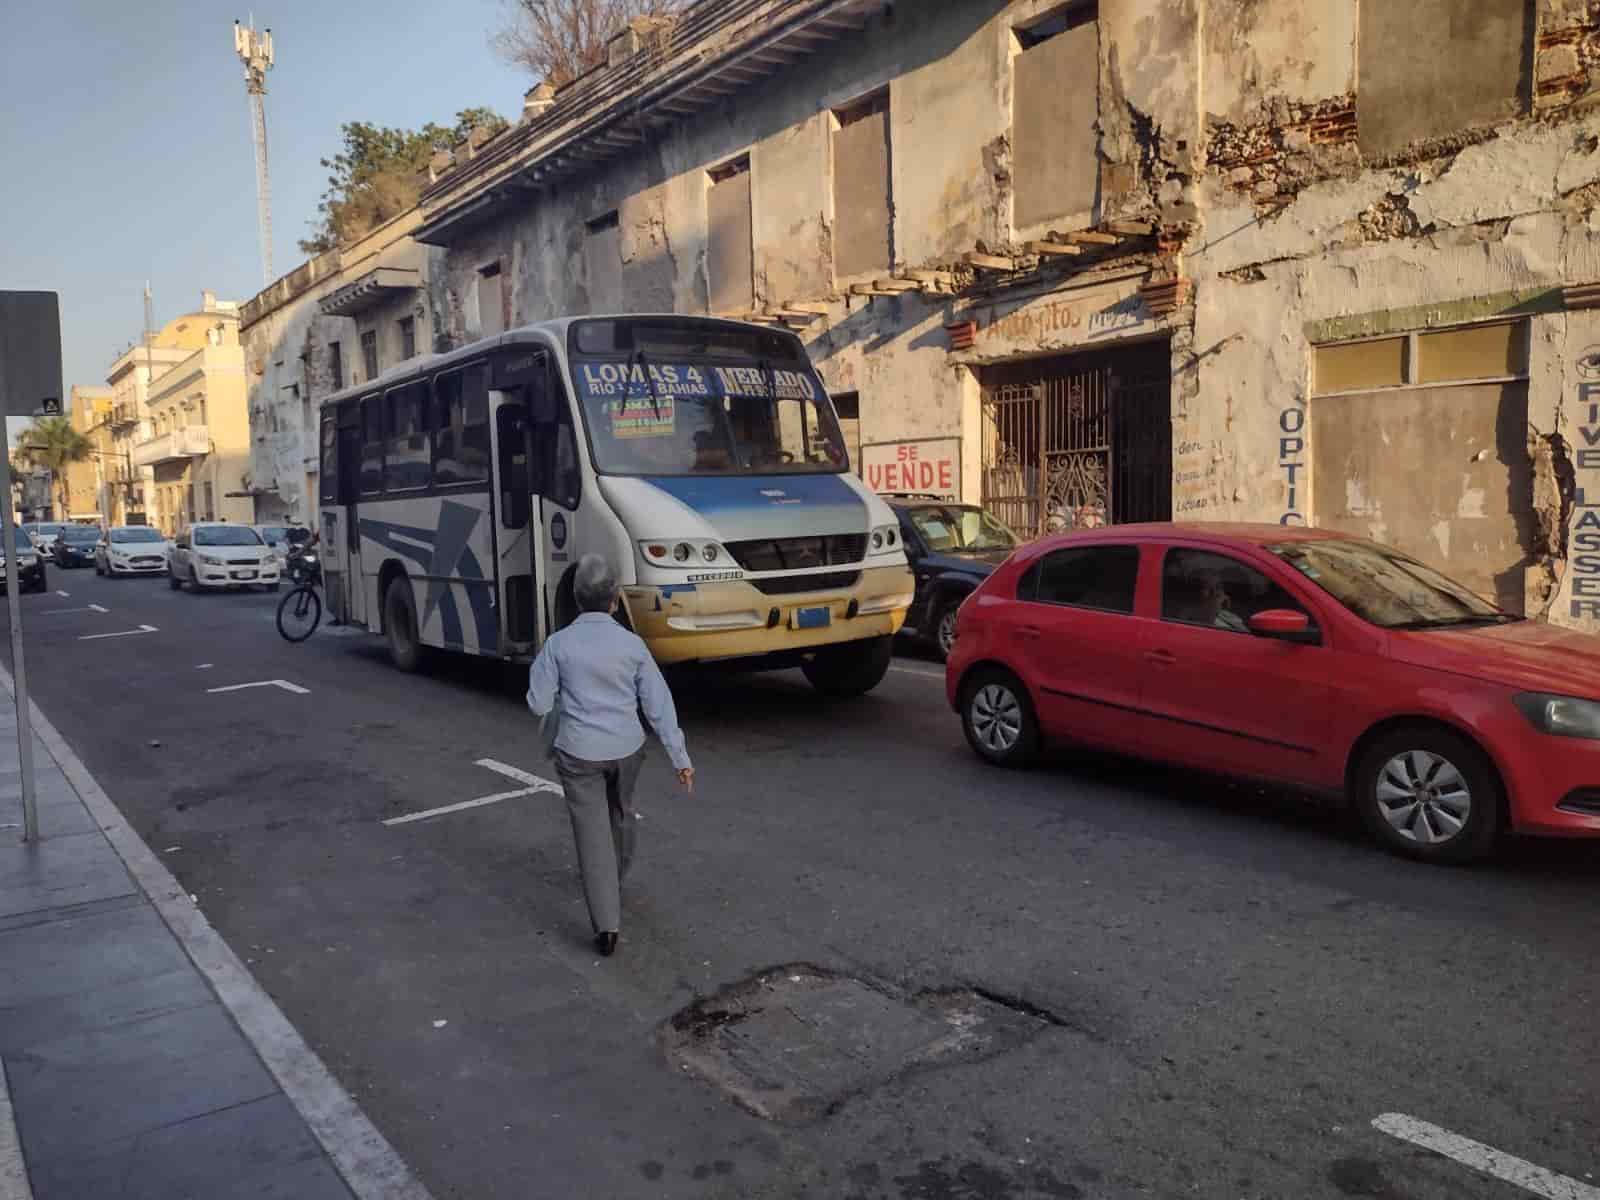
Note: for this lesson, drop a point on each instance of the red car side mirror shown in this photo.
(1285, 624)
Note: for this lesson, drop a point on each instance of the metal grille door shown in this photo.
(1079, 441)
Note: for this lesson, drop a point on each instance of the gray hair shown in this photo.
(594, 584)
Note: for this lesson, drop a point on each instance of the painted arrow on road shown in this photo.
(277, 683)
(535, 785)
(90, 637)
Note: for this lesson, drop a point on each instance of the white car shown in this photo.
(218, 555)
(131, 550)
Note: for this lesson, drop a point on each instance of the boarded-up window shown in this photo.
(1055, 104)
(491, 302)
(863, 240)
(1353, 365)
(602, 252)
(1412, 451)
(1433, 67)
(731, 253)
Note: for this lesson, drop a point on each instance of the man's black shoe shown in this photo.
(606, 943)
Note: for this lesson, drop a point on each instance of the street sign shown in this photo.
(30, 354)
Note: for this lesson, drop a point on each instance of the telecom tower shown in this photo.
(255, 52)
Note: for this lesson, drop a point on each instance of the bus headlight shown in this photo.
(709, 552)
(885, 539)
(682, 552)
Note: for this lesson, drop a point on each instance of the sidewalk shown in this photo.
(140, 1057)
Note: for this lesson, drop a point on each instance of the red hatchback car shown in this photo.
(1289, 654)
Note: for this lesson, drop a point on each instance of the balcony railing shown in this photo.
(126, 413)
(189, 442)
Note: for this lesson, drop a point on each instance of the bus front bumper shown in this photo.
(735, 619)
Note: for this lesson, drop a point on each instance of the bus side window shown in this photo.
(461, 426)
(328, 478)
(555, 446)
(516, 494)
(372, 446)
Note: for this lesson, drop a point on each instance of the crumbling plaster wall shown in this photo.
(1489, 227)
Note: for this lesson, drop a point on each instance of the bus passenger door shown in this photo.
(516, 533)
(353, 603)
(556, 487)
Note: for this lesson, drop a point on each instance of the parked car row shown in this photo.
(29, 565)
(210, 554)
(1293, 655)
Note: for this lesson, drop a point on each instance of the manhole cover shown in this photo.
(792, 1043)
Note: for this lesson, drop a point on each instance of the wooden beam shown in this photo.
(796, 315)
(868, 289)
(932, 278)
(988, 262)
(1090, 237)
(1048, 248)
(815, 308)
(1131, 228)
(897, 285)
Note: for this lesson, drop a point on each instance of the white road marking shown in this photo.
(277, 683)
(59, 592)
(915, 671)
(535, 786)
(50, 612)
(90, 637)
(1483, 1158)
(203, 667)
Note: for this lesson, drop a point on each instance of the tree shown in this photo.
(380, 173)
(558, 40)
(52, 443)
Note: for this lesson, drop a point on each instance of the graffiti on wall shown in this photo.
(1292, 461)
(1196, 468)
(1586, 497)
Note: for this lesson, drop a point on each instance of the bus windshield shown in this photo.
(670, 398)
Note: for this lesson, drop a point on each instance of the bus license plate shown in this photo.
(812, 618)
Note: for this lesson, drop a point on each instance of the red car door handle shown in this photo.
(1028, 631)
(1162, 658)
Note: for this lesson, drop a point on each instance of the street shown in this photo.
(1185, 986)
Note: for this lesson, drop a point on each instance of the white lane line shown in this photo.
(50, 612)
(1483, 1158)
(277, 683)
(534, 782)
(90, 637)
(59, 592)
(450, 808)
(521, 776)
(915, 671)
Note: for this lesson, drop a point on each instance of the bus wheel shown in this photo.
(400, 625)
(851, 669)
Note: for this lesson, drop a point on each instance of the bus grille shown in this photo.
(797, 553)
(788, 585)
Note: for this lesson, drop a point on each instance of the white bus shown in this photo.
(702, 457)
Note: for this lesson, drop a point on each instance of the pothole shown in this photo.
(794, 1042)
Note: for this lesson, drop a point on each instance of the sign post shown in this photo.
(30, 383)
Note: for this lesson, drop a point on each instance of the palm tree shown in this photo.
(52, 443)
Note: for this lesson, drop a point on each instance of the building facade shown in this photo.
(178, 419)
(90, 413)
(1320, 261)
(342, 318)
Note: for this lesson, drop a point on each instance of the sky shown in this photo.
(125, 139)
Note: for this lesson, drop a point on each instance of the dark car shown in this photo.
(952, 548)
(74, 546)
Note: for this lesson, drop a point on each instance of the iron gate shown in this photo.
(1079, 441)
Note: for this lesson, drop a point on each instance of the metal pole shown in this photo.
(8, 532)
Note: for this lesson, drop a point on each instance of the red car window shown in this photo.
(1217, 590)
(1103, 577)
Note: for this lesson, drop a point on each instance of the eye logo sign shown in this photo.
(1588, 363)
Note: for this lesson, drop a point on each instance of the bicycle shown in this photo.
(299, 612)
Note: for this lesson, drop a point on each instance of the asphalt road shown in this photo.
(1225, 986)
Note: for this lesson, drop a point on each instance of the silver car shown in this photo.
(215, 554)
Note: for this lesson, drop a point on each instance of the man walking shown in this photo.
(603, 676)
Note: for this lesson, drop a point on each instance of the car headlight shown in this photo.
(686, 553)
(1562, 716)
(884, 539)
(211, 562)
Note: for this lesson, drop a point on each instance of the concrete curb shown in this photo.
(13, 1172)
(363, 1156)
